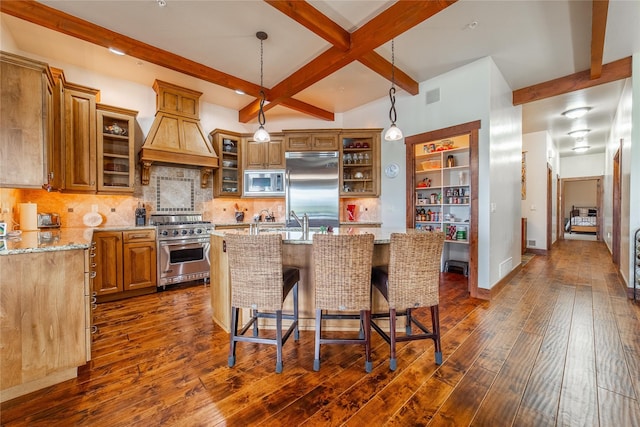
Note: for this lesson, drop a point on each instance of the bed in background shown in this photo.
(583, 220)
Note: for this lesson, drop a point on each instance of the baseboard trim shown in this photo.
(537, 251)
(489, 294)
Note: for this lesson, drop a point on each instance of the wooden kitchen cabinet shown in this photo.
(302, 140)
(44, 313)
(227, 180)
(26, 120)
(125, 263)
(115, 146)
(360, 163)
(268, 155)
(79, 130)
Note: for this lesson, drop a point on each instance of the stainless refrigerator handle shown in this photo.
(287, 198)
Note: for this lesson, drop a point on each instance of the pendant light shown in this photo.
(261, 134)
(393, 133)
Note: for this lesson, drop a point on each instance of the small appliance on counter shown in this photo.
(141, 215)
(48, 220)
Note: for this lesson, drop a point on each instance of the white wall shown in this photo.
(626, 136)
(476, 91)
(505, 157)
(633, 154)
(534, 207)
(584, 165)
(634, 178)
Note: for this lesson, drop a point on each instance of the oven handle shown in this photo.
(183, 245)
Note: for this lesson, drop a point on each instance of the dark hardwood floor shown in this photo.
(560, 345)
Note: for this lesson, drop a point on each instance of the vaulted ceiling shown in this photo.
(327, 57)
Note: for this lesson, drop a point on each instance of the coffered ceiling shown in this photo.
(327, 57)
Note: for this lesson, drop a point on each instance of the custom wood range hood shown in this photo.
(176, 136)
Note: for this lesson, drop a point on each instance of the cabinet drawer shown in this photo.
(138, 235)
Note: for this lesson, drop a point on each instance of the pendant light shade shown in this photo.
(261, 134)
(393, 133)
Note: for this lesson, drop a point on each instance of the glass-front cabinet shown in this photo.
(227, 180)
(116, 142)
(360, 163)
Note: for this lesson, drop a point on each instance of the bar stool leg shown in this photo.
(234, 331)
(296, 331)
(392, 339)
(254, 314)
(408, 322)
(316, 360)
(278, 341)
(435, 322)
(366, 315)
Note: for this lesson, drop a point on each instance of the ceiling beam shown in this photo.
(55, 20)
(381, 66)
(70, 25)
(311, 18)
(395, 20)
(599, 12)
(620, 69)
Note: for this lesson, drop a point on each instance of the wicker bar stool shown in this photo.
(410, 281)
(342, 271)
(261, 283)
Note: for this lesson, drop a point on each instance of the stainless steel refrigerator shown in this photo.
(311, 187)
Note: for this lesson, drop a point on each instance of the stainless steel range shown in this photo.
(183, 248)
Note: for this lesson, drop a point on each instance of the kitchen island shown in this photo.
(297, 251)
(45, 307)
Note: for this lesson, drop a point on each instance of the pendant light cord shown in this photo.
(261, 118)
(392, 92)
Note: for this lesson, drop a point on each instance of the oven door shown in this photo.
(183, 261)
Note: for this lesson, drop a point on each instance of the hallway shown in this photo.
(560, 345)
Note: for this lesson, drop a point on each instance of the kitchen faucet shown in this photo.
(258, 216)
(304, 223)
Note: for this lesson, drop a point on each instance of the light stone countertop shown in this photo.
(381, 235)
(61, 239)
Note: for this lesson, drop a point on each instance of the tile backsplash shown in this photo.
(170, 189)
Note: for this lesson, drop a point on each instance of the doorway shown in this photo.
(615, 226)
(582, 208)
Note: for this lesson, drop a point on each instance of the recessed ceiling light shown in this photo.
(579, 133)
(240, 92)
(576, 112)
(581, 148)
(116, 51)
(162, 3)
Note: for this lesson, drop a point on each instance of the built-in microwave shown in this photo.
(264, 183)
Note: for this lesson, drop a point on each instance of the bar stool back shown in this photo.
(411, 280)
(342, 271)
(261, 283)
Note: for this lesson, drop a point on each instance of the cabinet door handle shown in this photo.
(93, 265)
(94, 306)
(92, 254)
(94, 294)
(94, 329)
(94, 299)
(93, 275)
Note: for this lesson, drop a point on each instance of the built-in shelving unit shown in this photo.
(443, 193)
(442, 177)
